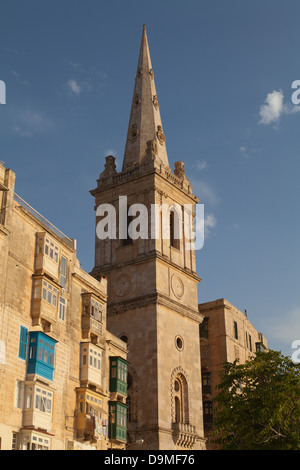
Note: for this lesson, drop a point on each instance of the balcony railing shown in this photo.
(70, 242)
(184, 435)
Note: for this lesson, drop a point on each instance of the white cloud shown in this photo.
(28, 123)
(274, 107)
(201, 165)
(244, 152)
(209, 223)
(73, 87)
(204, 192)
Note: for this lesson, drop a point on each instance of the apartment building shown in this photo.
(226, 335)
(63, 376)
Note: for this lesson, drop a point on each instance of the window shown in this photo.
(62, 309)
(63, 272)
(175, 228)
(207, 412)
(128, 240)
(43, 400)
(51, 250)
(50, 293)
(92, 307)
(117, 421)
(95, 358)
(180, 406)
(23, 343)
(28, 397)
(204, 328)
(41, 354)
(206, 382)
(19, 394)
(34, 441)
(96, 310)
(14, 442)
(118, 375)
(235, 329)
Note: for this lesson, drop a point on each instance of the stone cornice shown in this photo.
(157, 298)
(97, 271)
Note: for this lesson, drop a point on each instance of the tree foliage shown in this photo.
(258, 404)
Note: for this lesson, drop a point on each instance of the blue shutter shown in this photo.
(23, 343)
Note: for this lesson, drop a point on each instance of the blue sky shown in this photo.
(223, 74)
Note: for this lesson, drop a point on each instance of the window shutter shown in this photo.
(23, 342)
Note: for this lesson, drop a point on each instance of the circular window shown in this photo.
(124, 338)
(179, 343)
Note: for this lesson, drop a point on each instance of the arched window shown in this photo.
(180, 397)
(177, 410)
(175, 227)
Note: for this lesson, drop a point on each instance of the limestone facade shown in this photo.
(55, 350)
(226, 335)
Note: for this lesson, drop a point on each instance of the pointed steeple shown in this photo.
(145, 133)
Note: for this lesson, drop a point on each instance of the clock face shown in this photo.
(177, 286)
(123, 285)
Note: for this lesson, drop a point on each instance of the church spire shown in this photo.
(145, 133)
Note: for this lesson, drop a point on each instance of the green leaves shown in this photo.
(258, 404)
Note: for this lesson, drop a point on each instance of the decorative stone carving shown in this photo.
(151, 148)
(179, 170)
(155, 102)
(109, 167)
(177, 286)
(160, 135)
(151, 73)
(122, 285)
(139, 73)
(133, 133)
(137, 100)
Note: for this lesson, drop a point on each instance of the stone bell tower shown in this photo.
(152, 280)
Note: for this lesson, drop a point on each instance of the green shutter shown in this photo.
(23, 343)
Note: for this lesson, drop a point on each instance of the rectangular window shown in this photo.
(19, 394)
(51, 250)
(43, 401)
(235, 328)
(117, 421)
(128, 240)
(50, 293)
(63, 272)
(41, 355)
(206, 382)
(14, 443)
(23, 343)
(62, 308)
(29, 397)
(118, 375)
